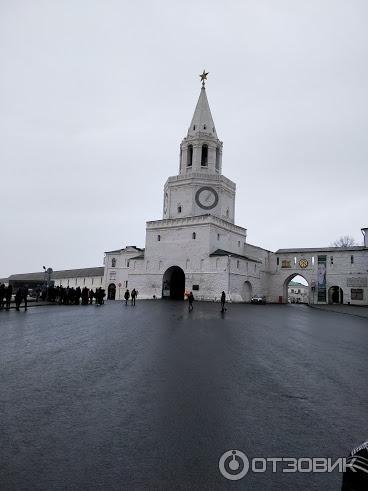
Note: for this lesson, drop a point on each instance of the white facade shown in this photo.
(197, 247)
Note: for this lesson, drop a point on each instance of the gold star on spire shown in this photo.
(203, 77)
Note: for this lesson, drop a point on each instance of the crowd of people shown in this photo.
(55, 294)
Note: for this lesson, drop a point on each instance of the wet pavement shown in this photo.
(150, 397)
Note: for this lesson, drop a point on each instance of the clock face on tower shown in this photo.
(206, 198)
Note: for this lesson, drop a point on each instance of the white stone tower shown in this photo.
(200, 188)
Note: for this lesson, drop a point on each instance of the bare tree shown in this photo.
(344, 241)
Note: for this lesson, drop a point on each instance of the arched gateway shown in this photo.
(173, 283)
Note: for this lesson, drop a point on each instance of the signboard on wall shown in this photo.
(321, 278)
(357, 281)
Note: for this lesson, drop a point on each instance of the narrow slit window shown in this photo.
(204, 156)
(190, 156)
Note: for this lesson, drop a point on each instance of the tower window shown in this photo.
(331, 260)
(217, 159)
(194, 235)
(351, 259)
(179, 208)
(113, 262)
(204, 127)
(159, 238)
(190, 156)
(194, 127)
(204, 156)
(218, 236)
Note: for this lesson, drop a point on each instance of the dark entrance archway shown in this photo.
(173, 283)
(111, 291)
(335, 295)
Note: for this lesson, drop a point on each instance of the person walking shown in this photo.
(190, 300)
(2, 295)
(18, 298)
(223, 301)
(25, 293)
(8, 296)
(126, 296)
(133, 296)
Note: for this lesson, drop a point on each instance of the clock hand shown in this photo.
(208, 197)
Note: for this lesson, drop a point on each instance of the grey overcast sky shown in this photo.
(95, 97)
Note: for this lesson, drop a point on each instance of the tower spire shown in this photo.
(202, 121)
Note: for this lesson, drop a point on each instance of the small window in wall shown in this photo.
(357, 293)
(312, 260)
(84, 281)
(218, 236)
(351, 259)
(194, 127)
(246, 266)
(286, 263)
(159, 238)
(227, 213)
(128, 262)
(204, 127)
(204, 155)
(194, 235)
(101, 281)
(68, 282)
(278, 261)
(179, 208)
(237, 263)
(113, 262)
(190, 156)
(238, 243)
(255, 267)
(195, 287)
(76, 280)
(126, 283)
(331, 260)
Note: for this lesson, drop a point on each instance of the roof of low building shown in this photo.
(117, 251)
(222, 252)
(66, 273)
(320, 249)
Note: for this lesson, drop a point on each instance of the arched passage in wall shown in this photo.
(247, 291)
(173, 283)
(296, 289)
(111, 291)
(335, 295)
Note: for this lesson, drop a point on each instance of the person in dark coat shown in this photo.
(126, 296)
(91, 295)
(18, 298)
(190, 300)
(223, 301)
(133, 296)
(2, 295)
(8, 296)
